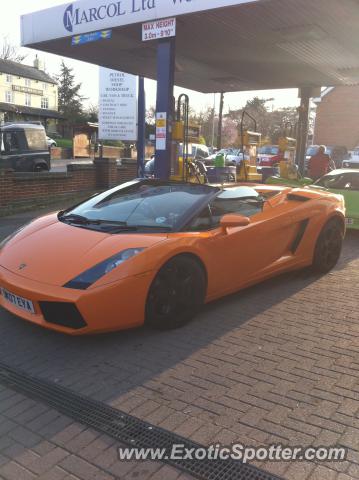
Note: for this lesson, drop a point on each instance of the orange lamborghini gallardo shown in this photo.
(153, 252)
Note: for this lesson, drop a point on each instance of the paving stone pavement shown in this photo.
(277, 363)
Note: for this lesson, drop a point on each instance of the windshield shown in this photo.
(234, 152)
(336, 181)
(225, 151)
(141, 205)
(269, 150)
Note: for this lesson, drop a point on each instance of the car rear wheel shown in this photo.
(176, 294)
(328, 247)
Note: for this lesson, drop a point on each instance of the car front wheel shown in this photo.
(176, 294)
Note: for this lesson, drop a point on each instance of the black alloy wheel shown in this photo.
(176, 294)
(328, 247)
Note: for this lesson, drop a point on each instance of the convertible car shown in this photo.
(153, 252)
(344, 181)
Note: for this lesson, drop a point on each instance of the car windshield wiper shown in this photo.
(72, 217)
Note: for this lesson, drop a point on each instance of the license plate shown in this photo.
(19, 302)
(349, 221)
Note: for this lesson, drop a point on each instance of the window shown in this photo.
(27, 99)
(200, 153)
(45, 86)
(246, 207)
(211, 216)
(8, 78)
(36, 139)
(9, 96)
(28, 82)
(354, 181)
(269, 150)
(11, 141)
(44, 102)
(336, 182)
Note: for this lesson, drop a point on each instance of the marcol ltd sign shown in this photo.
(78, 16)
(93, 15)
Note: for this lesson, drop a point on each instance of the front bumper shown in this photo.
(116, 306)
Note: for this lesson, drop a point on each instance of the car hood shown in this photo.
(53, 252)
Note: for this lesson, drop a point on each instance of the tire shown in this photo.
(328, 247)
(176, 295)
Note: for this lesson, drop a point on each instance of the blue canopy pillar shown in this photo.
(141, 141)
(166, 54)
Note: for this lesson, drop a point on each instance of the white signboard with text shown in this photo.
(161, 130)
(117, 106)
(159, 29)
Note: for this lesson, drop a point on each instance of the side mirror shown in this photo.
(232, 220)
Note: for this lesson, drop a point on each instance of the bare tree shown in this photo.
(11, 52)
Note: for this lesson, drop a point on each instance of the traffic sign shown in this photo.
(159, 29)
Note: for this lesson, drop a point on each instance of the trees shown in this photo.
(70, 99)
(208, 121)
(10, 52)
(91, 114)
(270, 123)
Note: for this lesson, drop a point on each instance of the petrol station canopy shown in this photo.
(221, 45)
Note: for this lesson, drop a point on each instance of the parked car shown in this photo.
(269, 156)
(233, 156)
(199, 151)
(225, 151)
(50, 142)
(154, 251)
(150, 167)
(344, 182)
(24, 147)
(338, 154)
(353, 160)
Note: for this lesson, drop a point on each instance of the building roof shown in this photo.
(21, 70)
(20, 109)
(323, 94)
(221, 45)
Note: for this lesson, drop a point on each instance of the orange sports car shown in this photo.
(152, 251)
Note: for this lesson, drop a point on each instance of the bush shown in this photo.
(64, 142)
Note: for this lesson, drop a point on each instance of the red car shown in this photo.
(269, 156)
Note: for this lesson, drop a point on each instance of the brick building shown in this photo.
(337, 121)
(27, 93)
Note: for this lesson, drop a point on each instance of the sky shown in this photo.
(87, 74)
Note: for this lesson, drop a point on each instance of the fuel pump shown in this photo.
(287, 146)
(183, 166)
(289, 173)
(250, 141)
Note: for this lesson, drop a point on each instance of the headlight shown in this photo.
(87, 278)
